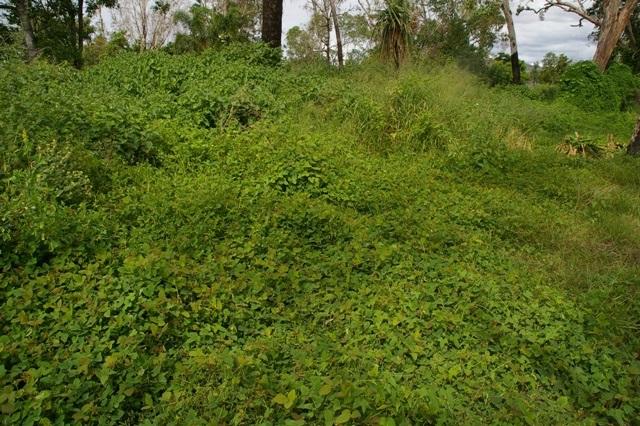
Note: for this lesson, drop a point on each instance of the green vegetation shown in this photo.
(394, 29)
(227, 239)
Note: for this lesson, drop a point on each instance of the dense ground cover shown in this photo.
(222, 239)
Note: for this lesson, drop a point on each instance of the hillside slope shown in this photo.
(219, 239)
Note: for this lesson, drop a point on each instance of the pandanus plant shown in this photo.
(394, 29)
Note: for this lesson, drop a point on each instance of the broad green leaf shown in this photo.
(325, 389)
(344, 417)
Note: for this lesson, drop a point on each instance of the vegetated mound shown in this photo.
(219, 238)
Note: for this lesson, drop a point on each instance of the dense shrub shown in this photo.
(498, 73)
(585, 86)
(537, 92)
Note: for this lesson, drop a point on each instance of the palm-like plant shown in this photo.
(394, 31)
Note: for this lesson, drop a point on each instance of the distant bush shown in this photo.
(625, 84)
(589, 88)
(553, 68)
(537, 92)
(498, 73)
(543, 92)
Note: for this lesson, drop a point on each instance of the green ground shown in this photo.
(212, 239)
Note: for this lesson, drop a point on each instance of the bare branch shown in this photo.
(575, 8)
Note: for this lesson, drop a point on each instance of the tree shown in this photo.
(336, 26)
(22, 9)
(553, 67)
(59, 28)
(321, 23)
(627, 50)
(206, 26)
(357, 33)
(511, 31)
(272, 22)
(303, 45)
(148, 24)
(81, 35)
(394, 29)
(466, 30)
(103, 46)
(613, 17)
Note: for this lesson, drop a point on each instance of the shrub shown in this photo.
(498, 73)
(587, 87)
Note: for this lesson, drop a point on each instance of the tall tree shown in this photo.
(147, 23)
(203, 26)
(303, 44)
(22, 9)
(336, 26)
(321, 22)
(272, 22)
(80, 34)
(58, 28)
(611, 22)
(513, 44)
(466, 30)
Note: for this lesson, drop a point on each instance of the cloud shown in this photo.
(556, 33)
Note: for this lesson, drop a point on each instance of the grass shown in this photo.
(302, 246)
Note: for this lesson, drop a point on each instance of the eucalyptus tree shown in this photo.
(147, 23)
(513, 43)
(272, 22)
(610, 18)
(336, 27)
(22, 10)
(322, 24)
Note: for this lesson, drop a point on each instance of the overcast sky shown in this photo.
(535, 37)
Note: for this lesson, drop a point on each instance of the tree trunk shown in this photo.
(614, 21)
(327, 19)
(511, 30)
(634, 144)
(103, 33)
(78, 62)
(272, 22)
(22, 7)
(336, 26)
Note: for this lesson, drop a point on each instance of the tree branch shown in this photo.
(576, 9)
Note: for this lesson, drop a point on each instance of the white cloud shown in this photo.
(556, 33)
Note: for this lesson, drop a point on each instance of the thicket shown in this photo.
(580, 83)
(220, 238)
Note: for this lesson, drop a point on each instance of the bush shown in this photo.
(587, 87)
(625, 83)
(499, 73)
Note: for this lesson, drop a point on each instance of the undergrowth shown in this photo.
(222, 239)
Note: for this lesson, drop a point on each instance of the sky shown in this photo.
(535, 37)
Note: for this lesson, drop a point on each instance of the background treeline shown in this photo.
(337, 33)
